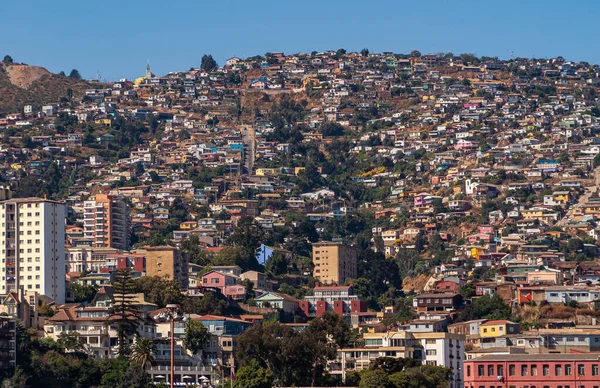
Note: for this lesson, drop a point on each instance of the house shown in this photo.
(218, 280)
(259, 280)
(431, 302)
(279, 301)
(496, 328)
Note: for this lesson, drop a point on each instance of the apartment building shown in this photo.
(334, 262)
(106, 222)
(338, 299)
(33, 247)
(431, 348)
(8, 344)
(167, 262)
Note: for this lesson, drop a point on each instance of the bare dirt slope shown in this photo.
(23, 75)
(22, 84)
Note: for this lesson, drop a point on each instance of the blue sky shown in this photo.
(116, 38)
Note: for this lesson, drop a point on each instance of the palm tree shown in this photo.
(142, 354)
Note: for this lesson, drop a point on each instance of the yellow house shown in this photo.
(107, 122)
(498, 328)
(561, 196)
(187, 225)
(16, 166)
(267, 171)
(532, 213)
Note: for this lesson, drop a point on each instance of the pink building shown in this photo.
(465, 145)
(218, 280)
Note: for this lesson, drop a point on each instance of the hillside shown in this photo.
(23, 84)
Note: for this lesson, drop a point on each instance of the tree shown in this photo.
(142, 353)
(277, 264)
(123, 313)
(253, 375)
(374, 378)
(195, 336)
(364, 52)
(83, 293)
(159, 290)
(74, 74)
(70, 342)
(45, 310)
(208, 63)
(415, 53)
(7, 60)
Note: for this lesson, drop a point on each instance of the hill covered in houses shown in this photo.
(357, 218)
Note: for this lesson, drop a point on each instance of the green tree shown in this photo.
(374, 378)
(277, 264)
(159, 290)
(74, 74)
(142, 353)
(7, 60)
(195, 336)
(123, 313)
(253, 375)
(46, 310)
(208, 63)
(70, 342)
(83, 293)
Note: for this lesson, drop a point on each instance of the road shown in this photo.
(250, 142)
(583, 199)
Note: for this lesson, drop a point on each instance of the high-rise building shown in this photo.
(33, 247)
(334, 262)
(106, 222)
(167, 262)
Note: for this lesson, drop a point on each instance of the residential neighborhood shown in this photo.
(327, 218)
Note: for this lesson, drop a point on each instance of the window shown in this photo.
(558, 370)
(431, 352)
(511, 370)
(581, 369)
(595, 370)
(468, 370)
(524, 370)
(534, 370)
(480, 370)
(490, 370)
(500, 370)
(568, 371)
(546, 370)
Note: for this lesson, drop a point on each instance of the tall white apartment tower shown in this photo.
(32, 247)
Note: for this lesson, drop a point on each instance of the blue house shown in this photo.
(263, 254)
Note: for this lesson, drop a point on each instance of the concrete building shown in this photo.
(338, 299)
(33, 247)
(8, 344)
(334, 262)
(432, 348)
(106, 222)
(167, 262)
